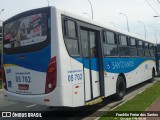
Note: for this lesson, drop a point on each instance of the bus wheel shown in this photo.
(120, 88)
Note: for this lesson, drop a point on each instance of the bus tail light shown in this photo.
(51, 78)
(4, 78)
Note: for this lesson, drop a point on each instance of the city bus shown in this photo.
(55, 58)
(0, 52)
(158, 58)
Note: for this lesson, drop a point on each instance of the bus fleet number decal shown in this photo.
(74, 77)
(23, 79)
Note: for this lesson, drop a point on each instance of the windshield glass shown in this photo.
(26, 31)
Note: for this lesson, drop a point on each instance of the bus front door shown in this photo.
(90, 56)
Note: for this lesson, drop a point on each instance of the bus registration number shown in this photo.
(23, 79)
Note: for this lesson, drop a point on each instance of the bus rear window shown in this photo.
(26, 31)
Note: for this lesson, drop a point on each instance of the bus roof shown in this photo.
(106, 26)
(72, 15)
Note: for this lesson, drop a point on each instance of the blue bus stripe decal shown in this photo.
(116, 65)
(37, 60)
(124, 65)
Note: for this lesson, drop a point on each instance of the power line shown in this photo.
(156, 4)
(158, 1)
(153, 7)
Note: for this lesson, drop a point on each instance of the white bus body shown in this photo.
(79, 80)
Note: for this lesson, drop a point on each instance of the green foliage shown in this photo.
(139, 103)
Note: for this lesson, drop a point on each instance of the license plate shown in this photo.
(23, 86)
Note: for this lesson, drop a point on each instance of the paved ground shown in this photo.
(154, 109)
(155, 106)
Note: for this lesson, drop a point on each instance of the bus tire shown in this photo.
(120, 88)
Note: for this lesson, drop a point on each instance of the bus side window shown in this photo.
(146, 49)
(71, 37)
(152, 50)
(133, 47)
(110, 47)
(140, 48)
(93, 45)
(123, 47)
(88, 41)
(85, 43)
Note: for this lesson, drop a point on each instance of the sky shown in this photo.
(104, 11)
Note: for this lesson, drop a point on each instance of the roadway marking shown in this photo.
(31, 105)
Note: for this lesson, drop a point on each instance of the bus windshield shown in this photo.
(25, 31)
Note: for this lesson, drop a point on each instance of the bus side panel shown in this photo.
(77, 82)
(128, 77)
(135, 70)
(110, 80)
(56, 95)
(70, 72)
(143, 72)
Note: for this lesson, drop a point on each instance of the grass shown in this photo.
(139, 103)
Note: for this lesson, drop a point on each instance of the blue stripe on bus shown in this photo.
(124, 65)
(116, 65)
(37, 60)
(85, 61)
(94, 64)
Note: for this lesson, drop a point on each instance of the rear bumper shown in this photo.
(50, 99)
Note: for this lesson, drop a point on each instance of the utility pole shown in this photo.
(127, 20)
(48, 2)
(91, 8)
(144, 28)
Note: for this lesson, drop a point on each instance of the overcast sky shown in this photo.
(105, 12)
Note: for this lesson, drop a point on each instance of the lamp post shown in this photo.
(156, 16)
(48, 2)
(127, 20)
(144, 27)
(1, 11)
(1, 22)
(91, 8)
(0, 14)
(155, 33)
